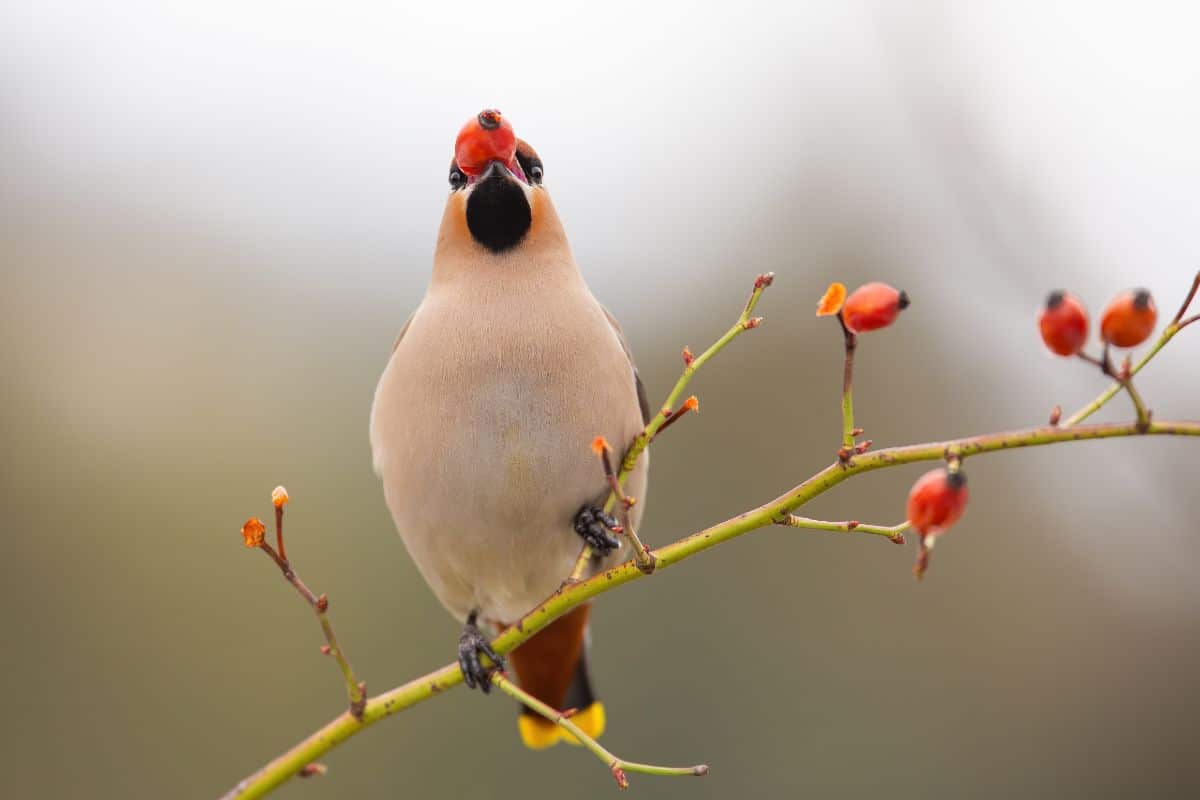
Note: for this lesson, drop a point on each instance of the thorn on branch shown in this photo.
(1055, 415)
(312, 770)
(752, 323)
(688, 358)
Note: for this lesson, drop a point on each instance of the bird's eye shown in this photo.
(535, 173)
(457, 178)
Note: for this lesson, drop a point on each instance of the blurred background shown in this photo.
(217, 215)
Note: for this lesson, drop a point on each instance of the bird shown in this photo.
(483, 419)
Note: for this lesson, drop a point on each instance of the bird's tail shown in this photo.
(552, 666)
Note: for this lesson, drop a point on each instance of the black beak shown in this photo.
(496, 171)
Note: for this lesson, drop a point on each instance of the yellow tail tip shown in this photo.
(591, 721)
(538, 733)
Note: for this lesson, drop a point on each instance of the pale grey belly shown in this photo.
(484, 489)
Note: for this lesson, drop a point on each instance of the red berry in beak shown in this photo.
(936, 501)
(1129, 319)
(486, 138)
(1064, 323)
(873, 306)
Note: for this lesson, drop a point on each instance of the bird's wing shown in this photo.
(643, 403)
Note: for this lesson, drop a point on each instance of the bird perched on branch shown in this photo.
(482, 421)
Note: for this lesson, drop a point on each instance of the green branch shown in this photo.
(299, 759)
(572, 595)
(618, 766)
(894, 532)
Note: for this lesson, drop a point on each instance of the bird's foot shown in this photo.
(471, 645)
(597, 529)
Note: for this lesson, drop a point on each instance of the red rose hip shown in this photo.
(873, 306)
(1129, 319)
(486, 138)
(1064, 323)
(936, 501)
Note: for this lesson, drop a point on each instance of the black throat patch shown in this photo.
(498, 214)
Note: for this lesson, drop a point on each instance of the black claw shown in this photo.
(597, 528)
(471, 644)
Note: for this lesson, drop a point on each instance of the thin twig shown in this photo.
(618, 766)
(356, 690)
(1187, 301)
(1168, 333)
(641, 553)
(1125, 378)
(692, 363)
(895, 532)
(850, 342)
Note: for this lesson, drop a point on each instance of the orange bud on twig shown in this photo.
(254, 532)
(670, 417)
(600, 445)
(688, 358)
(279, 497)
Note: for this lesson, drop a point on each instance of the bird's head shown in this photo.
(497, 202)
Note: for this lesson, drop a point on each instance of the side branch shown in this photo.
(669, 413)
(1177, 324)
(253, 532)
(573, 594)
(895, 532)
(618, 766)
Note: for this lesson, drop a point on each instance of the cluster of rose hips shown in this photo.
(1127, 321)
